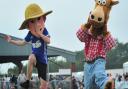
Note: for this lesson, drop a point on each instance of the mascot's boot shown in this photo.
(109, 84)
(25, 85)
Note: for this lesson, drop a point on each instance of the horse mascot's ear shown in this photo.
(98, 17)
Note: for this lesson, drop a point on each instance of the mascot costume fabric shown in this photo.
(98, 41)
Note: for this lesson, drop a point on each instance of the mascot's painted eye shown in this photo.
(103, 2)
(99, 2)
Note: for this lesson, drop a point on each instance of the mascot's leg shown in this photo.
(44, 84)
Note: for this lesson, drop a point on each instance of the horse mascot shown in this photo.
(97, 22)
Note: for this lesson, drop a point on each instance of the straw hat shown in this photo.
(32, 11)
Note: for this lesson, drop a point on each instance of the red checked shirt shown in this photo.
(95, 47)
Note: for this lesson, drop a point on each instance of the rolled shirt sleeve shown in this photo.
(81, 35)
(28, 37)
(110, 42)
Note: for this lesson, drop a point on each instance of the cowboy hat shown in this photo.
(32, 11)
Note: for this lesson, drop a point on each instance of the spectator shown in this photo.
(3, 84)
(6, 79)
(74, 84)
(51, 78)
(125, 84)
(13, 82)
(118, 82)
(21, 78)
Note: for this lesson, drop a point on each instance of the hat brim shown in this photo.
(24, 25)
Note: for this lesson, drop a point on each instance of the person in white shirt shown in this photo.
(118, 82)
(125, 83)
(21, 78)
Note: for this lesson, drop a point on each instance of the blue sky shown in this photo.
(65, 20)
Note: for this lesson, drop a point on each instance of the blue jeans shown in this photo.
(95, 76)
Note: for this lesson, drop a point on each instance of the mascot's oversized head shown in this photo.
(98, 18)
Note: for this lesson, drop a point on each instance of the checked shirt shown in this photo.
(95, 47)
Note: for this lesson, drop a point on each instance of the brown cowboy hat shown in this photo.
(32, 11)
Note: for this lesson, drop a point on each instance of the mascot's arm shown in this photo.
(110, 42)
(87, 25)
(105, 32)
(82, 33)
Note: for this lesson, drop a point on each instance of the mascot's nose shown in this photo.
(99, 19)
(92, 16)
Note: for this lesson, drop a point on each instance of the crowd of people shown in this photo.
(13, 82)
(57, 82)
(121, 81)
(65, 82)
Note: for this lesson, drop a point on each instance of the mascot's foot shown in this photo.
(25, 85)
(109, 84)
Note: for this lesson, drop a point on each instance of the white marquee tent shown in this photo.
(125, 67)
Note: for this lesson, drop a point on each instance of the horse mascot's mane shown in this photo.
(98, 17)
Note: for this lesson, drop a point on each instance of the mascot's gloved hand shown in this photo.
(86, 25)
(105, 32)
